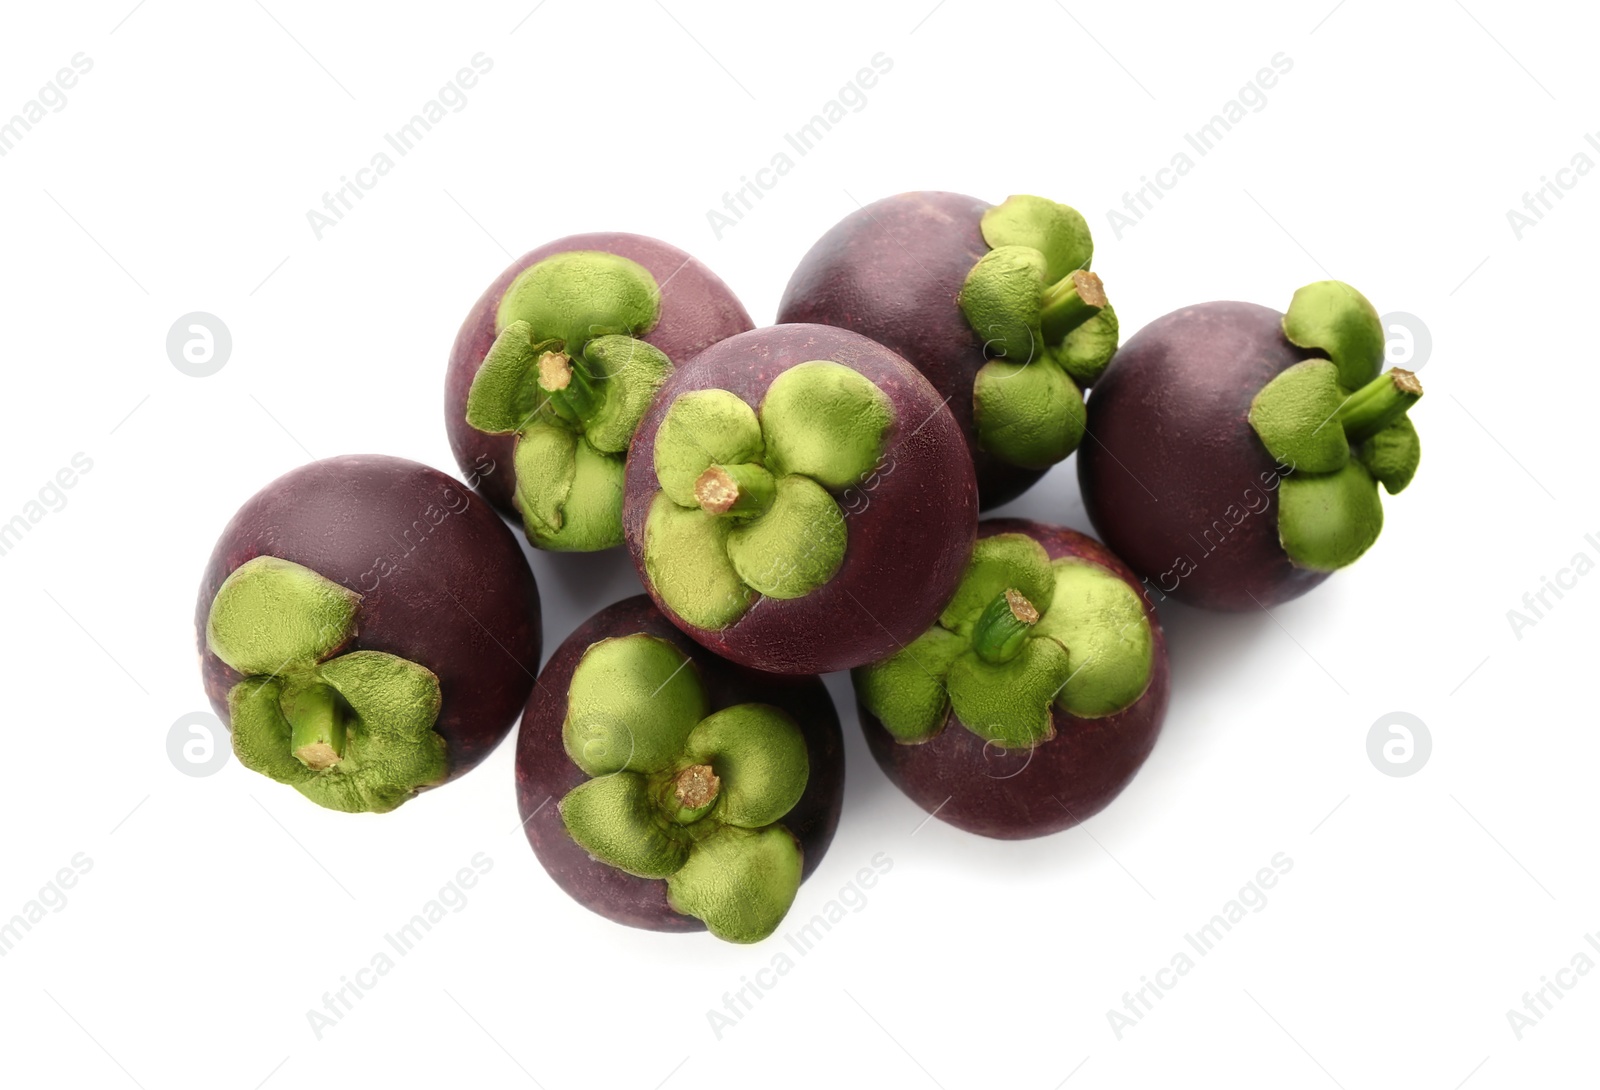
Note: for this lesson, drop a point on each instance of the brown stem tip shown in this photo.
(1022, 609)
(1406, 381)
(696, 786)
(318, 756)
(716, 491)
(555, 371)
(1090, 288)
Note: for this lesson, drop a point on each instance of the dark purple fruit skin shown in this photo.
(1015, 795)
(1171, 454)
(893, 271)
(697, 311)
(545, 773)
(908, 535)
(459, 600)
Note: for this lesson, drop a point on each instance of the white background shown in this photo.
(219, 909)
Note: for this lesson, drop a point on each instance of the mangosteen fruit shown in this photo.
(1236, 453)
(995, 304)
(556, 363)
(369, 629)
(666, 788)
(800, 500)
(1039, 693)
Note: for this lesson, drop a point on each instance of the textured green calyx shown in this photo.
(1002, 299)
(760, 759)
(1084, 353)
(740, 882)
(825, 421)
(1000, 562)
(1335, 319)
(1339, 424)
(352, 732)
(686, 561)
(683, 793)
(747, 505)
(1392, 454)
(1047, 328)
(1295, 416)
(1033, 412)
(1102, 622)
(271, 613)
(1023, 635)
(906, 691)
(1326, 521)
(1002, 630)
(570, 378)
(582, 294)
(631, 705)
(1060, 234)
(1009, 703)
(616, 821)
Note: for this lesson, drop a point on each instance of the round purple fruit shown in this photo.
(556, 363)
(369, 629)
(799, 500)
(668, 789)
(995, 304)
(1238, 451)
(1036, 697)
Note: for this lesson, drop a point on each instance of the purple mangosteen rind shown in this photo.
(799, 500)
(995, 767)
(1215, 414)
(665, 788)
(368, 629)
(556, 363)
(994, 304)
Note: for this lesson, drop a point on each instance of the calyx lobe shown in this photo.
(682, 793)
(1022, 636)
(351, 732)
(1339, 424)
(569, 376)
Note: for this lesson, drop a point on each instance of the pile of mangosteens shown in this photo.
(798, 499)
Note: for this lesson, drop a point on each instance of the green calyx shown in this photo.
(1023, 635)
(1002, 630)
(1335, 319)
(352, 732)
(570, 378)
(680, 792)
(1339, 424)
(1047, 327)
(747, 505)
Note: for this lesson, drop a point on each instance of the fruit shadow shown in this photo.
(1203, 647)
(575, 586)
(1055, 499)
